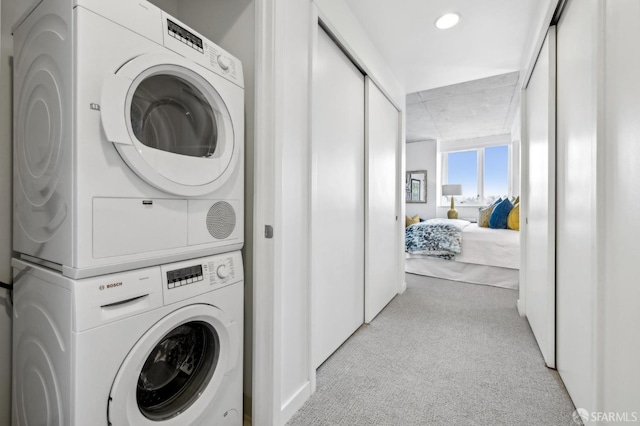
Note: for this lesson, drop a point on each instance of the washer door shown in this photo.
(170, 124)
(175, 370)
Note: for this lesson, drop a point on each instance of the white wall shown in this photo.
(422, 155)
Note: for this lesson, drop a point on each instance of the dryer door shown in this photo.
(175, 370)
(168, 118)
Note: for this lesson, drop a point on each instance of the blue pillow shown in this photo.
(500, 213)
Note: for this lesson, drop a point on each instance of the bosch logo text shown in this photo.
(108, 286)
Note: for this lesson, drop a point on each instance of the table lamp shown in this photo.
(452, 190)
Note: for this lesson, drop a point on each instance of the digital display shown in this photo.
(186, 275)
(185, 36)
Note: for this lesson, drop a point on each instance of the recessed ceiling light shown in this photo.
(447, 20)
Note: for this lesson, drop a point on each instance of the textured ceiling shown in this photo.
(478, 108)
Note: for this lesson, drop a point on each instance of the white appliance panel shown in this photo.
(129, 226)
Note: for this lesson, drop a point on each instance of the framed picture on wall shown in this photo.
(416, 186)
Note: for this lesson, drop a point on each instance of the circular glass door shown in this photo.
(171, 114)
(174, 371)
(170, 121)
(177, 369)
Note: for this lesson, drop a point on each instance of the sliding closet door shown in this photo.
(338, 194)
(381, 273)
(579, 33)
(540, 199)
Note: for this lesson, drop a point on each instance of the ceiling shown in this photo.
(493, 37)
(474, 109)
(462, 83)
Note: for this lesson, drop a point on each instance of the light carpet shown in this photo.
(442, 353)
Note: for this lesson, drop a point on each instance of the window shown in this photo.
(496, 172)
(483, 173)
(463, 169)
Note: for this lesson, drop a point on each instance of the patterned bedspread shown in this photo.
(440, 238)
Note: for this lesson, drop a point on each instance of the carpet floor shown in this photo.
(442, 353)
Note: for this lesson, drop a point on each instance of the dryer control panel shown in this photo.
(182, 280)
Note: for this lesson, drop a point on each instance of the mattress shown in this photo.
(488, 256)
(491, 247)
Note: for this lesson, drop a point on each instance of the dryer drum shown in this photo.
(177, 370)
(170, 114)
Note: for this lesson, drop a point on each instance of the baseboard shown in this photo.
(520, 306)
(294, 403)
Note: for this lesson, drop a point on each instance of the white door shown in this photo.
(337, 234)
(540, 279)
(381, 273)
(170, 124)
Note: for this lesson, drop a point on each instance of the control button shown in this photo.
(224, 63)
(183, 282)
(222, 271)
(189, 280)
(171, 285)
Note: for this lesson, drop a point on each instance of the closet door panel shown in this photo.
(540, 210)
(576, 255)
(381, 274)
(337, 233)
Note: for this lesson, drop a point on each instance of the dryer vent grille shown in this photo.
(221, 220)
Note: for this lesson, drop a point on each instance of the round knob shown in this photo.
(224, 63)
(222, 271)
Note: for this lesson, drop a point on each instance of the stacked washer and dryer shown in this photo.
(128, 219)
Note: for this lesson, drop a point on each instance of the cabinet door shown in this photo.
(337, 232)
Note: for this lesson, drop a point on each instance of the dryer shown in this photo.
(128, 139)
(157, 346)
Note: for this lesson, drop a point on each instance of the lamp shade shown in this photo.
(451, 189)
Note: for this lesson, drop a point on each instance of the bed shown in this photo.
(462, 251)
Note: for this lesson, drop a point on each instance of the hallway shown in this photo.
(442, 353)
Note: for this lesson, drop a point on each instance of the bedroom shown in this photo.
(466, 135)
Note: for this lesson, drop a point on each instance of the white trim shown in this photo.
(524, 200)
(266, 342)
(469, 144)
(293, 404)
(312, 161)
(537, 45)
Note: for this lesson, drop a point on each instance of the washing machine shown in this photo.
(157, 346)
(128, 139)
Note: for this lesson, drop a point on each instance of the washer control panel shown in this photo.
(189, 278)
(184, 276)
